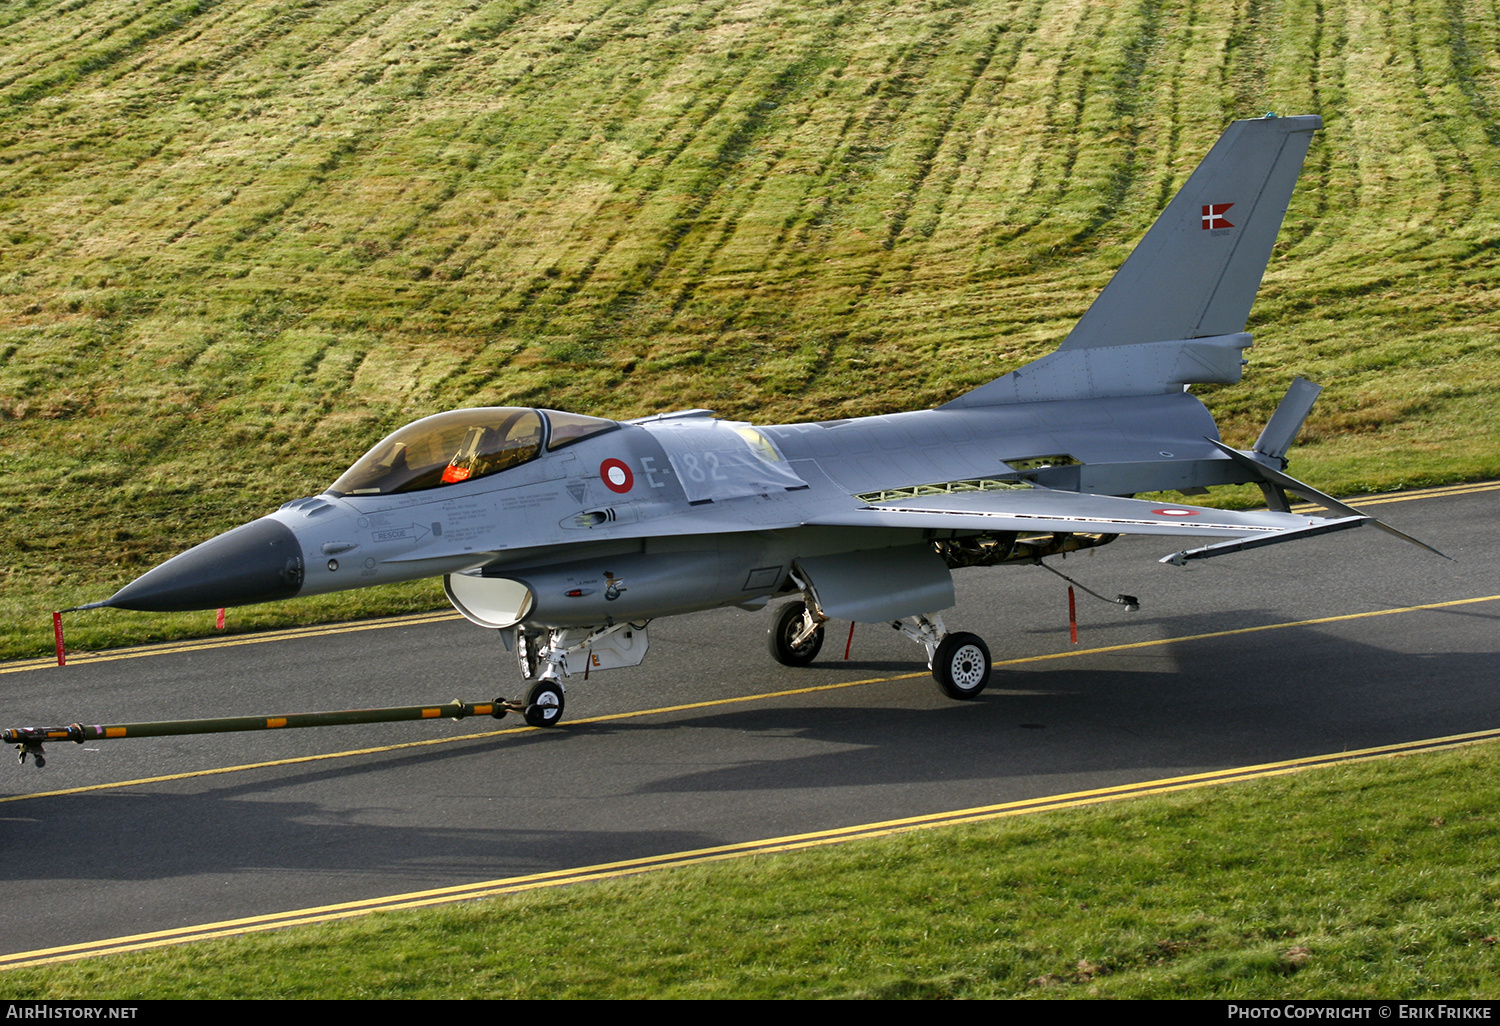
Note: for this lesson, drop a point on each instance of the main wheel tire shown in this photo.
(788, 622)
(961, 665)
(544, 704)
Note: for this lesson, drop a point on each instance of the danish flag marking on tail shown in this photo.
(1213, 215)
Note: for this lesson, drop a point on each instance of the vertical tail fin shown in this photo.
(1196, 272)
(1175, 312)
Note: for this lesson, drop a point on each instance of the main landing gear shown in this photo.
(796, 636)
(961, 665)
(960, 662)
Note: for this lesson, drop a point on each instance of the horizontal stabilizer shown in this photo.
(1310, 493)
(1241, 544)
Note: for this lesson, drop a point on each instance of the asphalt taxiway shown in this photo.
(1326, 645)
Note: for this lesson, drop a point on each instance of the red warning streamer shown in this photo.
(219, 620)
(1072, 616)
(849, 644)
(57, 633)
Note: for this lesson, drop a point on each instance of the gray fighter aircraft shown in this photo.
(569, 533)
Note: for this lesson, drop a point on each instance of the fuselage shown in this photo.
(604, 520)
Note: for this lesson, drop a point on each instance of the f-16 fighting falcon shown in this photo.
(569, 534)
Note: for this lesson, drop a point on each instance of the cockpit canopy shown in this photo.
(462, 445)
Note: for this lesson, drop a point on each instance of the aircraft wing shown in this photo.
(1029, 509)
(1042, 509)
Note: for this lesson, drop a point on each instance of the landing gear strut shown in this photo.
(543, 657)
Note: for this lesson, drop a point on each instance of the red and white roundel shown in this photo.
(1175, 512)
(616, 476)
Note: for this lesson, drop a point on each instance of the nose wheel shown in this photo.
(544, 704)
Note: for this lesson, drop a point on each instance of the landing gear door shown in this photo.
(879, 586)
(625, 647)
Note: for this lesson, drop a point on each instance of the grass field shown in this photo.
(241, 240)
(1377, 880)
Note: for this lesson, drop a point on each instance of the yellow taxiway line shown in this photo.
(793, 842)
(719, 853)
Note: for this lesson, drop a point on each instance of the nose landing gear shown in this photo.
(542, 654)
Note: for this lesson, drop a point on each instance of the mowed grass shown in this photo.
(1378, 880)
(240, 241)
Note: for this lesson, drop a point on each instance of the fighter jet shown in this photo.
(569, 534)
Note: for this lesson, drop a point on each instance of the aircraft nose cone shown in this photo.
(258, 562)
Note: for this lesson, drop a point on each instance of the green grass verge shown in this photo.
(1379, 879)
(241, 240)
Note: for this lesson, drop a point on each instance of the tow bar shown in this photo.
(29, 740)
